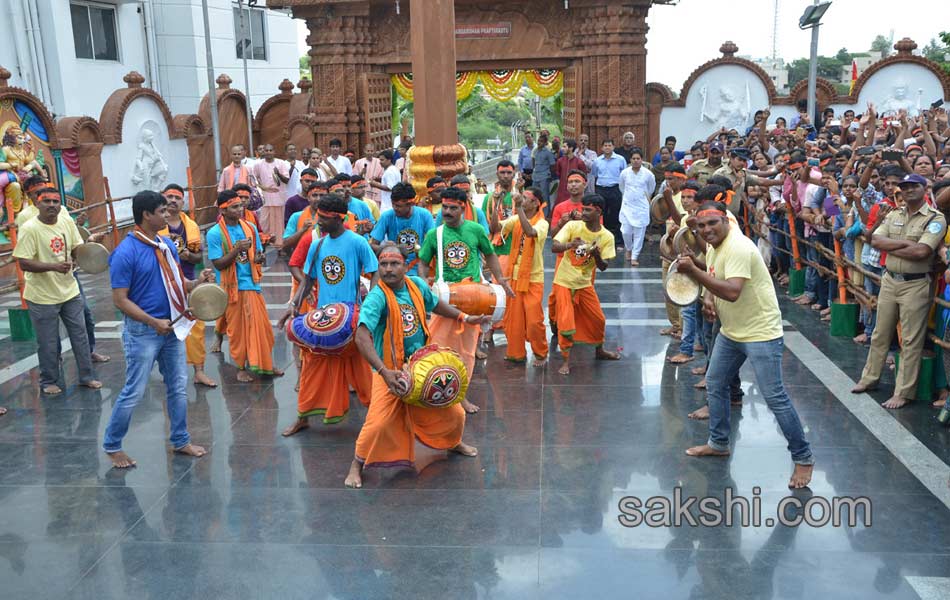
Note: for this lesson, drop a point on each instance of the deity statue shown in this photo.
(731, 114)
(17, 162)
(898, 100)
(150, 167)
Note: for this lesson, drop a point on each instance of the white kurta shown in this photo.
(637, 188)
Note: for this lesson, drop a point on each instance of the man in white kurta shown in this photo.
(636, 184)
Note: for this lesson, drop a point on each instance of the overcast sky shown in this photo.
(685, 36)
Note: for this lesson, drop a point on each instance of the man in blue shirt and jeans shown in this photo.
(144, 283)
(526, 158)
(606, 175)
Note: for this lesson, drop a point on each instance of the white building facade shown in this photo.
(72, 54)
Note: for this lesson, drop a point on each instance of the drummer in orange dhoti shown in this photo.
(392, 327)
(458, 246)
(187, 237)
(334, 262)
(235, 250)
(586, 245)
(524, 317)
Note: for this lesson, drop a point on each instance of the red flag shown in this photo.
(854, 75)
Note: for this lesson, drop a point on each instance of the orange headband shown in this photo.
(824, 162)
(36, 186)
(391, 250)
(576, 177)
(724, 196)
(173, 194)
(453, 201)
(676, 174)
(330, 214)
(797, 165)
(711, 212)
(462, 186)
(435, 187)
(230, 202)
(335, 187)
(47, 191)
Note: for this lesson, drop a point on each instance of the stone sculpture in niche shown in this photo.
(150, 167)
(731, 113)
(899, 100)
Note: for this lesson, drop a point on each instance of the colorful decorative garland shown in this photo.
(502, 84)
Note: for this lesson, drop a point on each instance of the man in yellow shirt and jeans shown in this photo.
(585, 244)
(44, 251)
(740, 291)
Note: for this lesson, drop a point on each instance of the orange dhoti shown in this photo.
(445, 332)
(579, 316)
(388, 436)
(325, 383)
(524, 321)
(195, 344)
(250, 336)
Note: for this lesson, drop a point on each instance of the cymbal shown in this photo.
(92, 257)
(208, 301)
(83, 232)
(666, 247)
(684, 237)
(680, 289)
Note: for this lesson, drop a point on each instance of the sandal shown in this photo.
(52, 389)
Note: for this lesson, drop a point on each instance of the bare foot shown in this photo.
(120, 460)
(700, 414)
(92, 384)
(565, 369)
(216, 346)
(276, 373)
(52, 389)
(191, 450)
(3, 411)
(705, 450)
(679, 359)
(201, 378)
(667, 331)
(298, 426)
(701, 384)
(698, 370)
(896, 402)
(244, 377)
(100, 358)
(354, 478)
(801, 476)
(465, 450)
(601, 354)
(938, 403)
(860, 339)
(469, 407)
(480, 355)
(634, 262)
(539, 361)
(863, 387)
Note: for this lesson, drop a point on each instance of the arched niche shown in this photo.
(270, 122)
(143, 148)
(232, 116)
(80, 139)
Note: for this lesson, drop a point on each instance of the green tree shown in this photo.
(304, 65)
(883, 45)
(797, 71)
(843, 56)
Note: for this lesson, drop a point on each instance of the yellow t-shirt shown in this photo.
(541, 228)
(576, 268)
(755, 316)
(29, 211)
(48, 244)
(678, 203)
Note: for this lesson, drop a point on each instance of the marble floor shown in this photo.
(535, 515)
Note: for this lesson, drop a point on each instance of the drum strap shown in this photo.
(438, 239)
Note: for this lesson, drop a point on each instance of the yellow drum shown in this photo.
(436, 377)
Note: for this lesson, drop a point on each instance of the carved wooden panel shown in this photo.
(572, 95)
(376, 110)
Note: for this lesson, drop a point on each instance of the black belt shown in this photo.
(907, 276)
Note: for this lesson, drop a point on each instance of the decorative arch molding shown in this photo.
(297, 120)
(223, 93)
(905, 49)
(824, 90)
(113, 111)
(72, 132)
(661, 91)
(286, 93)
(728, 57)
(8, 92)
(191, 125)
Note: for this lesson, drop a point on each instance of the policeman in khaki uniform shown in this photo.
(704, 168)
(909, 235)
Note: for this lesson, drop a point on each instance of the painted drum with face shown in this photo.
(436, 377)
(325, 330)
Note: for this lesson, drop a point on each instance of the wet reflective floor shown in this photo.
(535, 515)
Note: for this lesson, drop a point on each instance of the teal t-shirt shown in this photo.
(373, 315)
(461, 251)
(404, 231)
(217, 247)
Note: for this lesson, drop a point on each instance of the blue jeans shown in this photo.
(143, 348)
(870, 316)
(766, 358)
(689, 315)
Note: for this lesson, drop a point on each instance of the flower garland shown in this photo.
(501, 84)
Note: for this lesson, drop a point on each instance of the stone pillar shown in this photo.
(93, 185)
(433, 70)
(341, 45)
(614, 70)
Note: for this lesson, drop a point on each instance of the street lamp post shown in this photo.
(811, 19)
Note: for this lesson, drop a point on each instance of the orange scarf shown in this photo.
(526, 249)
(499, 209)
(394, 349)
(192, 233)
(305, 215)
(229, 280)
